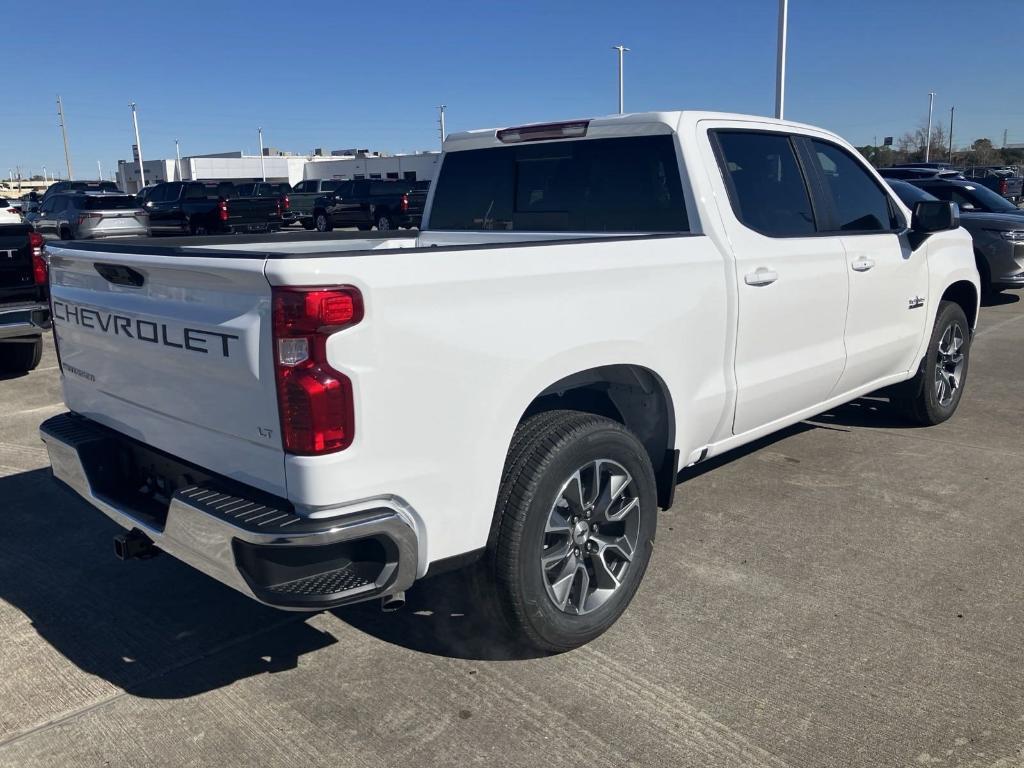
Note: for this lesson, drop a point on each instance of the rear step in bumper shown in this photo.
(270, 554)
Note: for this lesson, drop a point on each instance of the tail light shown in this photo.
(222, 210)
(1003, 186)
(541, 132)
(285, 203)
(405, 203)
(314, 400)
(39, 269)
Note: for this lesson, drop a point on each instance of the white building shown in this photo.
(417, 167)
(280, 168)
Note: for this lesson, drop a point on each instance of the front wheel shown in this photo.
(576, 518)
(322, 223)
(933, 395)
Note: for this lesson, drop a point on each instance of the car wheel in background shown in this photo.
(933, 395)
(322, 223)
(20, 357)
(384, 222)
(574, 528)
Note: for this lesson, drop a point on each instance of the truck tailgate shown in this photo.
(173, 351)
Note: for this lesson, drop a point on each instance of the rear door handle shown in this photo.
(863, 264)
(761, 276)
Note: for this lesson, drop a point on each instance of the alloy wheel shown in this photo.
(949, 364)
(590, 537)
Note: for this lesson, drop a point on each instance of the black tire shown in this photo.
(20, 357)
(322, 222)
(364, 227)
(65, 233)
(924, 398)
(383, 222)
(547, 453)
(195, 227)
(308, 224)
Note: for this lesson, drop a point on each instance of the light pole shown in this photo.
(64, 133)
(138, 145)
(263, 165)
(177, 159)
(621, 49)
(440, 121)
(928, 137)
(99, 169)
(780, 61)
(951, 133)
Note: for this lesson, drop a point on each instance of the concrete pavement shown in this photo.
(846, 593)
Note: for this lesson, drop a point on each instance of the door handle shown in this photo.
(863, 264)
(761, 276)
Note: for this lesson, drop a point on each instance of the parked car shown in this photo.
(201, 207)
(367, 203)
(9, 213)
(24, 309)
(968, 194)
(998, 239)
(304, 195)
(89, 215)
(80, 185)
(1003, 181)
(277, 190)
(318, 422)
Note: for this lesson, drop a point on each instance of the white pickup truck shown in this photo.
(592, 305)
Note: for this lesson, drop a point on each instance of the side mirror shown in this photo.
(934, 216)
(967, 207)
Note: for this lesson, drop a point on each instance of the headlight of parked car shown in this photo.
(1013, 234)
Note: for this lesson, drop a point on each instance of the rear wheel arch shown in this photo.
(632, 395)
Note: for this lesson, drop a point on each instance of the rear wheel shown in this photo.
(576, 517)
(65, 233)
(20, 357)
(383, 222)
(933, 395)
(321, 222)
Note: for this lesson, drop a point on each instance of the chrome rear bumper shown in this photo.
(263, 550)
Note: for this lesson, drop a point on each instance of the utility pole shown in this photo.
(138, 145)
(621, 49)
(928, 137)
(951, 133)
(1004, 137)
(99, 169)
(44, 175)
(177, 159)
(263, 165)
(780, 61)
(440, 123)
(64, 133)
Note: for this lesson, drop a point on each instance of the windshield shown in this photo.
(909, 194)
(991, 200)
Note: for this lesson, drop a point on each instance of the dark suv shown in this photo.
(81, 185)
(366, 203)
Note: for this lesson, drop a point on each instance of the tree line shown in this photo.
(909, 148)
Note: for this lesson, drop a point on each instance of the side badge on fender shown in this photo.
(916, 302)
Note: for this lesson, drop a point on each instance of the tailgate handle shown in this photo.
(118, 274)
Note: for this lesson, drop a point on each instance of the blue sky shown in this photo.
(343, 74)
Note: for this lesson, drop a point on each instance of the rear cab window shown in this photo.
(628, 184)
(109, 203)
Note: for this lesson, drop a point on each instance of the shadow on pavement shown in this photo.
(876, 412)
(999, 299)
(140, 625)
(441, 617)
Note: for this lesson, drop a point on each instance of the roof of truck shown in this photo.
(629, 124)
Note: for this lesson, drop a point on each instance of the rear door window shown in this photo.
(109, 203)
(766, 186)
(591, 185)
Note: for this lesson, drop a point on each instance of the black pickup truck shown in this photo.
(304, 195)
(366, 203)
(24, 298)
(209, 207)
